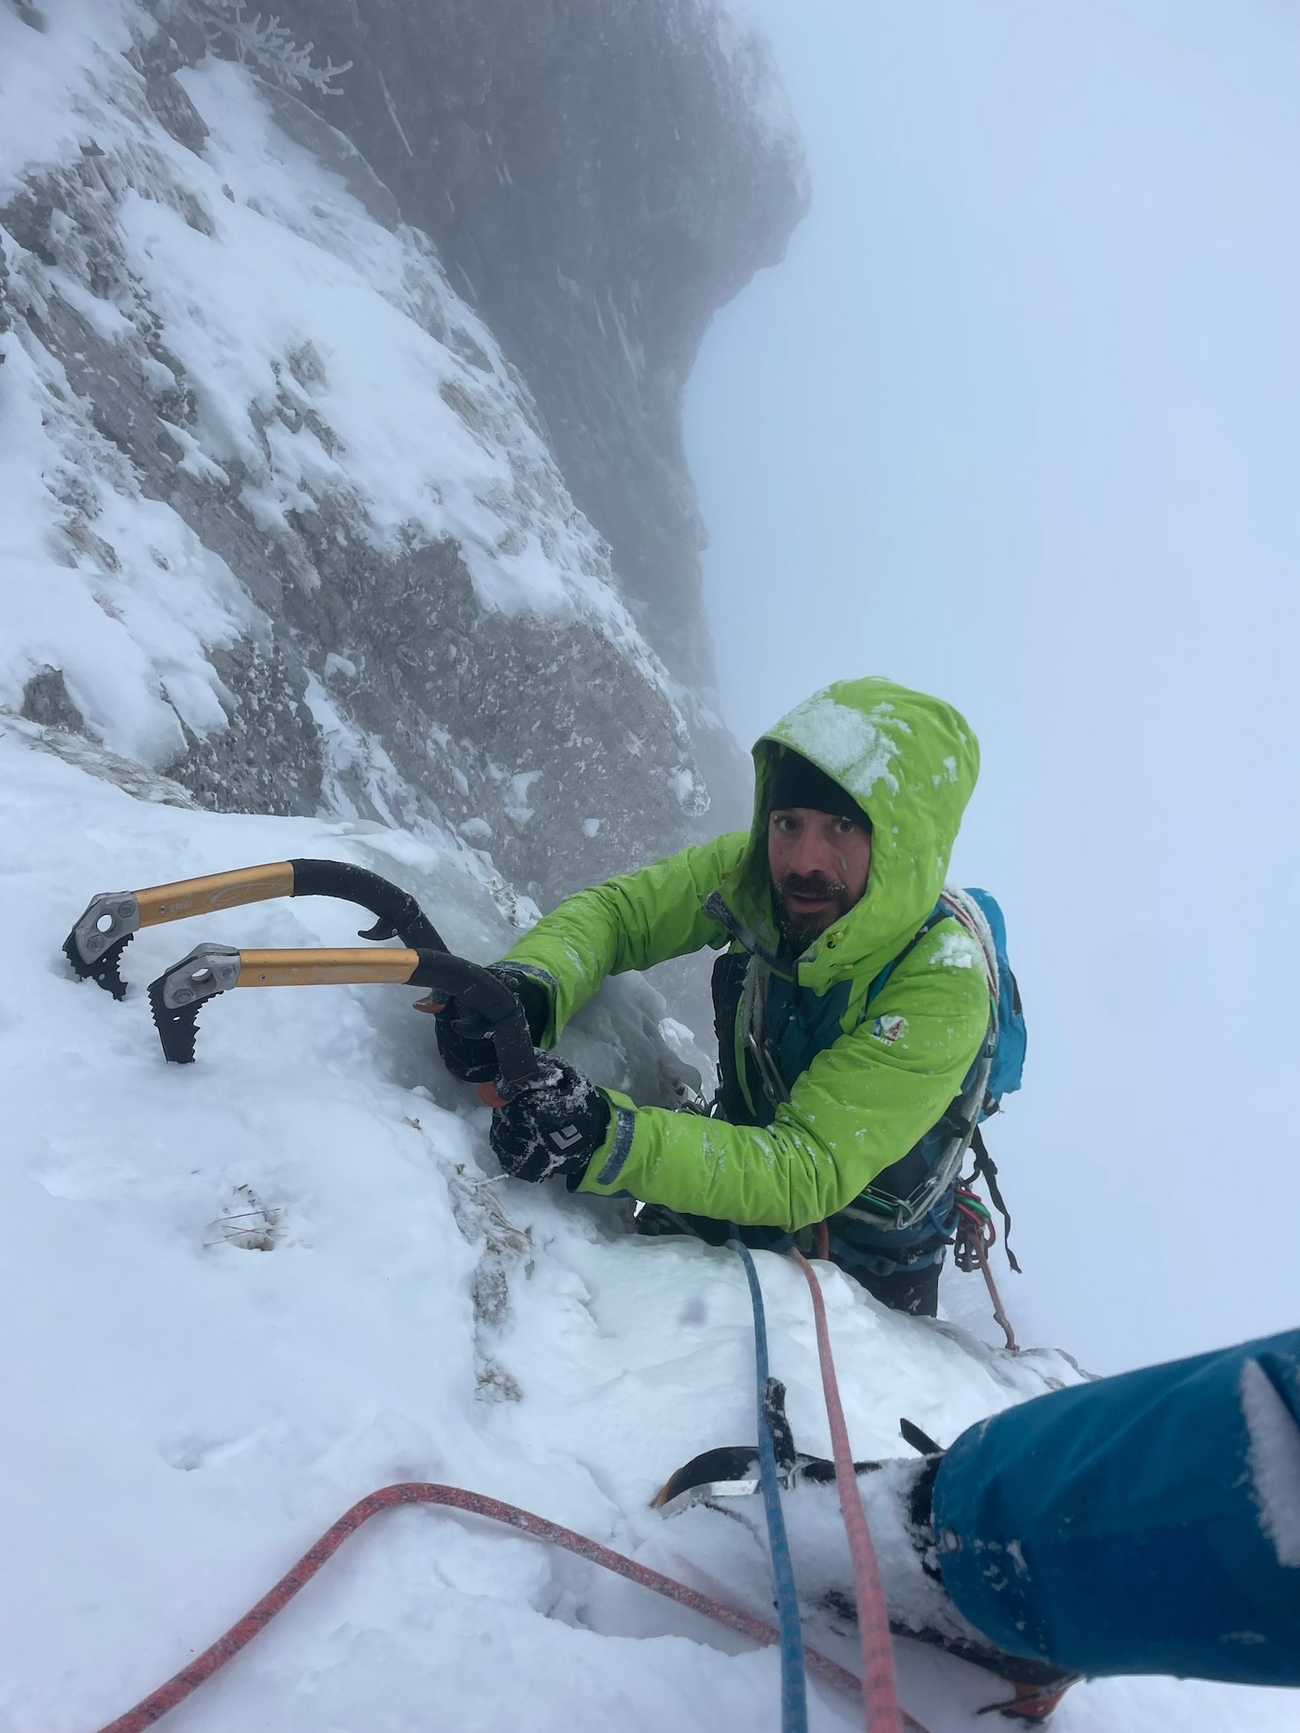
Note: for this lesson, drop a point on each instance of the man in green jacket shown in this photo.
(852, 1007)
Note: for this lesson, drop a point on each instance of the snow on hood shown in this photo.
(911, 762)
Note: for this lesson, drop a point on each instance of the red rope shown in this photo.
(880, 1688)
(977, 1232)
(190, 1678)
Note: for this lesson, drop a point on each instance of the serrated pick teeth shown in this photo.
(177, 1029)
(104, 971)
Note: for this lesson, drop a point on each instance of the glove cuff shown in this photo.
(535, 991)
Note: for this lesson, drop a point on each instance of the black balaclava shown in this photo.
(797, 782)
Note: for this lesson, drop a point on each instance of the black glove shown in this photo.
(466, 1051)
(552, 1126)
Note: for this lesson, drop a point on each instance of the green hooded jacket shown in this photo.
(878, 1082)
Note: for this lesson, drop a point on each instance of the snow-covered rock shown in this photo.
(600, 176)
(282, 521)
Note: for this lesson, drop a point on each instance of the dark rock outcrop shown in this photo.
(598, 179)
(600, 176)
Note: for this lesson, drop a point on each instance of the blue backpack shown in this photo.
(996, 1071)
(1007, 1060)
(1006, 1066)
(1008, 1063)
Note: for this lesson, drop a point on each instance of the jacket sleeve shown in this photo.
(629, 922)
(858, 1108)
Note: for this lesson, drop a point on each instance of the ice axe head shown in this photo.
(94, 946)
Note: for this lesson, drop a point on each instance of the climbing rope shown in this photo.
(794, 1693)
(976, 1235)
(178, 1688)
(879, 1686)
(881, 1697)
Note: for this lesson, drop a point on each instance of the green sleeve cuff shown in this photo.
(604, 1170)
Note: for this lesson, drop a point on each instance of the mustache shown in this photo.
(819, 885)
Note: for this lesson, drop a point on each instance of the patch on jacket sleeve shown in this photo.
(889, 1029)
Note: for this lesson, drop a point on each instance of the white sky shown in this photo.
(1018, 422)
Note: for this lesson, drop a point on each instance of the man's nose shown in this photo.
(814, 854)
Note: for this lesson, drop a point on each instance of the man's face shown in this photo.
(819, 865)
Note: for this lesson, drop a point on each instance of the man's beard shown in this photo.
(799, 929)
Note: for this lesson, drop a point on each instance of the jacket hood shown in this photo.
(911, 763)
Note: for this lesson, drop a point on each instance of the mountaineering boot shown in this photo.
(896, 1496)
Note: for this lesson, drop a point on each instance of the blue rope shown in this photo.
(794, 1695)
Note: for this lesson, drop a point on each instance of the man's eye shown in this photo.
(843, 826)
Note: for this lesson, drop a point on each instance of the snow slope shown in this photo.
(243, 1294)
(185, 1413)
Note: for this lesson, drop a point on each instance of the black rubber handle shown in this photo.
(478, 990)
(399, 915)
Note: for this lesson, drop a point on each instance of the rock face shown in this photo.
(290, 527)
(600, 176)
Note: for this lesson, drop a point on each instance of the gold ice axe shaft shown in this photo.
(177, 994)
(96, 942)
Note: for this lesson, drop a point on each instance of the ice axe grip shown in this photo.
(477, 989)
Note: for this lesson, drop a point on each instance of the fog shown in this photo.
(1017, 421)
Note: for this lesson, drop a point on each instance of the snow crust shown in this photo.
(185, 1413)
(958, 950)
(851, 747)
(1274, 1461)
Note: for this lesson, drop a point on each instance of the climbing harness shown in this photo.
(179, 1687)
(771, 1400)
(879, 1686)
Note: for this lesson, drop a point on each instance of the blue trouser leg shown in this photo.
(1148, 1523)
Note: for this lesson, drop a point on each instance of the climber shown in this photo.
(851, 1010)
(1145, 1523)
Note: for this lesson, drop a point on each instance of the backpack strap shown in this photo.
(986, 1167)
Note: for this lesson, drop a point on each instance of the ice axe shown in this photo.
(176, 996)
(95, 944)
